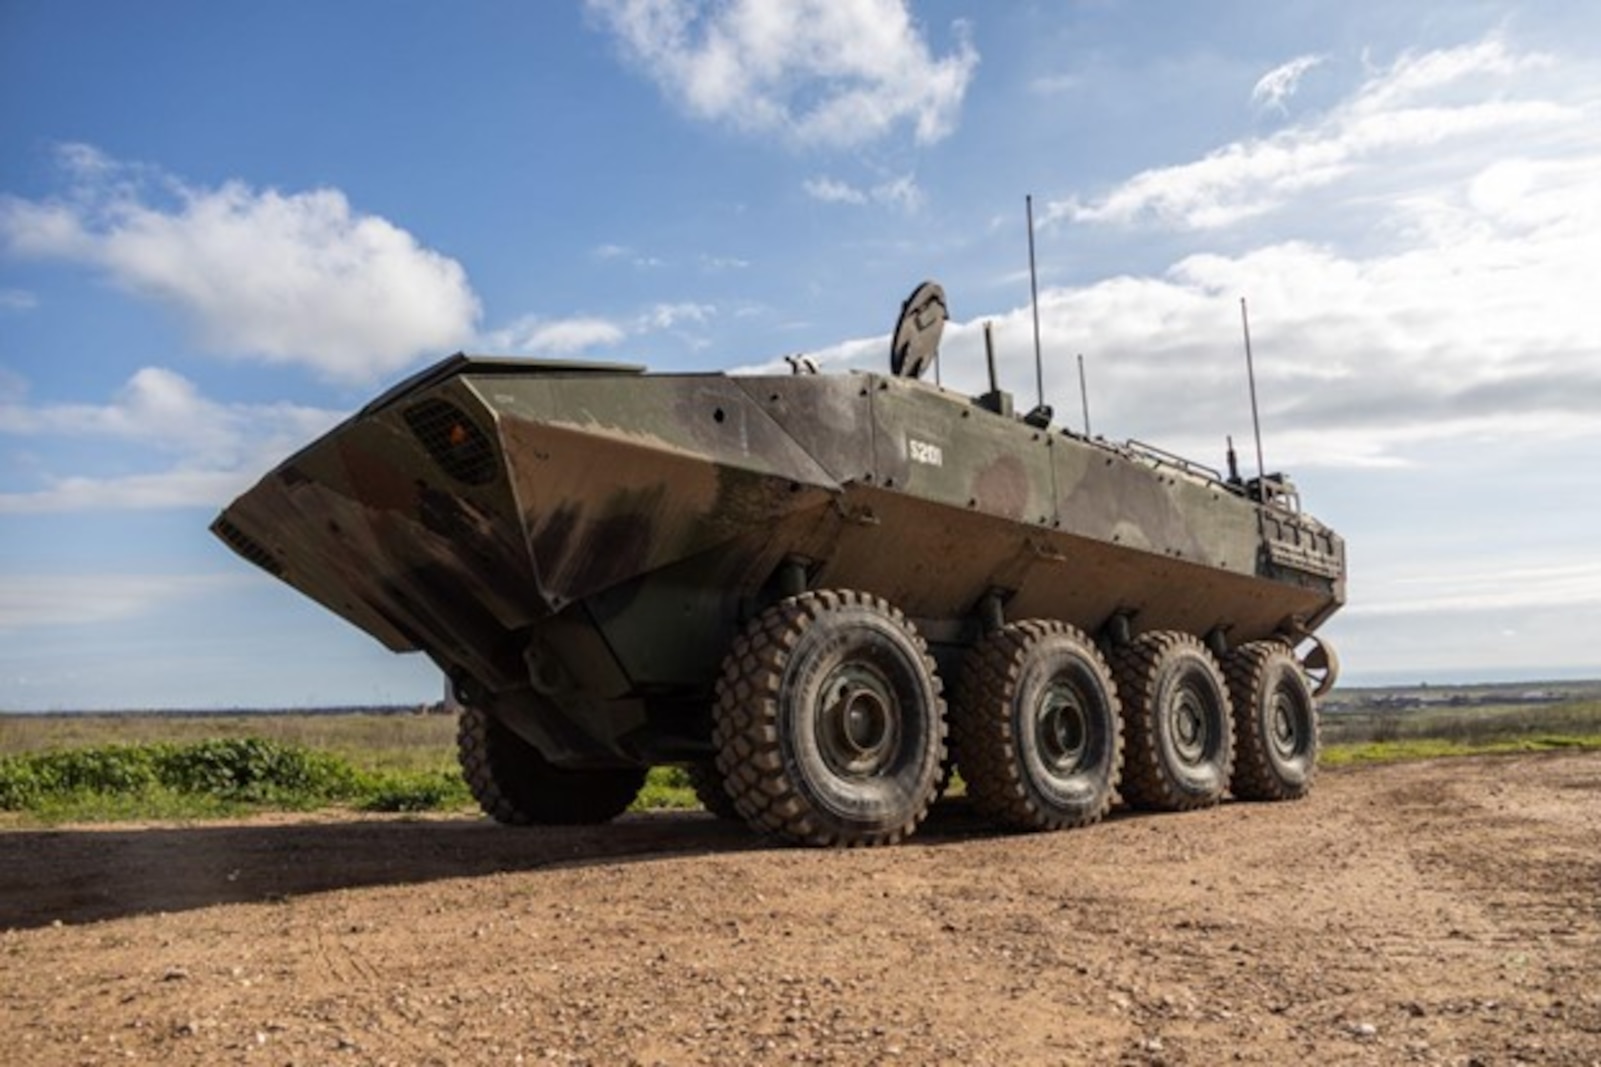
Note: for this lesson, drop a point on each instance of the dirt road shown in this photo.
(1444, 912)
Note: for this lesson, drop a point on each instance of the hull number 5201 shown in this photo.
(924, 452)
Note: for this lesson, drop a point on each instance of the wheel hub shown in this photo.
(1190, 731)
(858, 724)
(1283, 731)
(1062, 728)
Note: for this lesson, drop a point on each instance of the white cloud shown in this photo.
(832, 191)
(901, 192)
(555, 337)
(179, 487)
(1459, 313)
(533, 335)
(296, 278)
(635, 258)
(17, 300)
(1455, 103)
(1511, 584)
(668, 316)
(30, 600)
(219, 448)
(817, 72)
(1279, 84)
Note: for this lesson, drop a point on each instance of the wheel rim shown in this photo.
(858, 721)
(1062, 728)
(1285, 725)
(1190, 725)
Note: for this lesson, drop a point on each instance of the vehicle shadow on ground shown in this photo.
(85, 875)
(88, 875)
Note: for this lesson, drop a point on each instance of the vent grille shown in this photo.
(453, 440)
(248, 547)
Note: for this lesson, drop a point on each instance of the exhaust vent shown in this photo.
(453, 440)
(248, 547)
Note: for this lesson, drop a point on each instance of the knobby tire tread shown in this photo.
(748, 727)
(1255, 777)
(985, 743)
(1148, 783)
(514, 785)
(707, 781)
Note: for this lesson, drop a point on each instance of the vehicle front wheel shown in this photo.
(830, 729)
(514, 784)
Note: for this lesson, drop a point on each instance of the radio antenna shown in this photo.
(1034, 302)
(1084, 394)
(1256, 419)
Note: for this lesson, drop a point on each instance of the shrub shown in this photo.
(414, 792)
(254, 769)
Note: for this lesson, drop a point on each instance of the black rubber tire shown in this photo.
(830, 728)
(1037, 728)
(707, 782)
(515, 785)
(1178, 737)
(1275, 723)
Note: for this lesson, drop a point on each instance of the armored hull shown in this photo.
(583, 549)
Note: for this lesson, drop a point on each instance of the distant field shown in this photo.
(1467, 725)
(376, 740)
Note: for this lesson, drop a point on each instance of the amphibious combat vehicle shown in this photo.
(815, 591)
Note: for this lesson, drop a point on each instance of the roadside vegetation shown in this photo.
(81, 768)
(1434, 733)
(95, 768)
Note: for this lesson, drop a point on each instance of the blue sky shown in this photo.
(223, 226)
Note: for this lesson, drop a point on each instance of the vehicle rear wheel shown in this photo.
(514, 784)
(1178, 743)
(1275, 723)
(707, 782)
(830, 729)
(1036, 727)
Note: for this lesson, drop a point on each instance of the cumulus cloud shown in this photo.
(1457, 312)
(831, 73)
(1450, 102)
(298, 278)
(212, 451)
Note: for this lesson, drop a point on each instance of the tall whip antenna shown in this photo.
(1034, 302)
(1256, 419)
(1084, 394)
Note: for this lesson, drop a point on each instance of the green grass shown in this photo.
(368, 740)
(1423, 748)
(209, 778)
(101, 768)
(666, 789)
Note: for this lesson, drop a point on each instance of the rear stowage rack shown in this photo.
(453, 440)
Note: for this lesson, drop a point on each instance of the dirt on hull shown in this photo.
(1442, 912)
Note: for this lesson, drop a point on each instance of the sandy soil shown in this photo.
(1443, 912)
